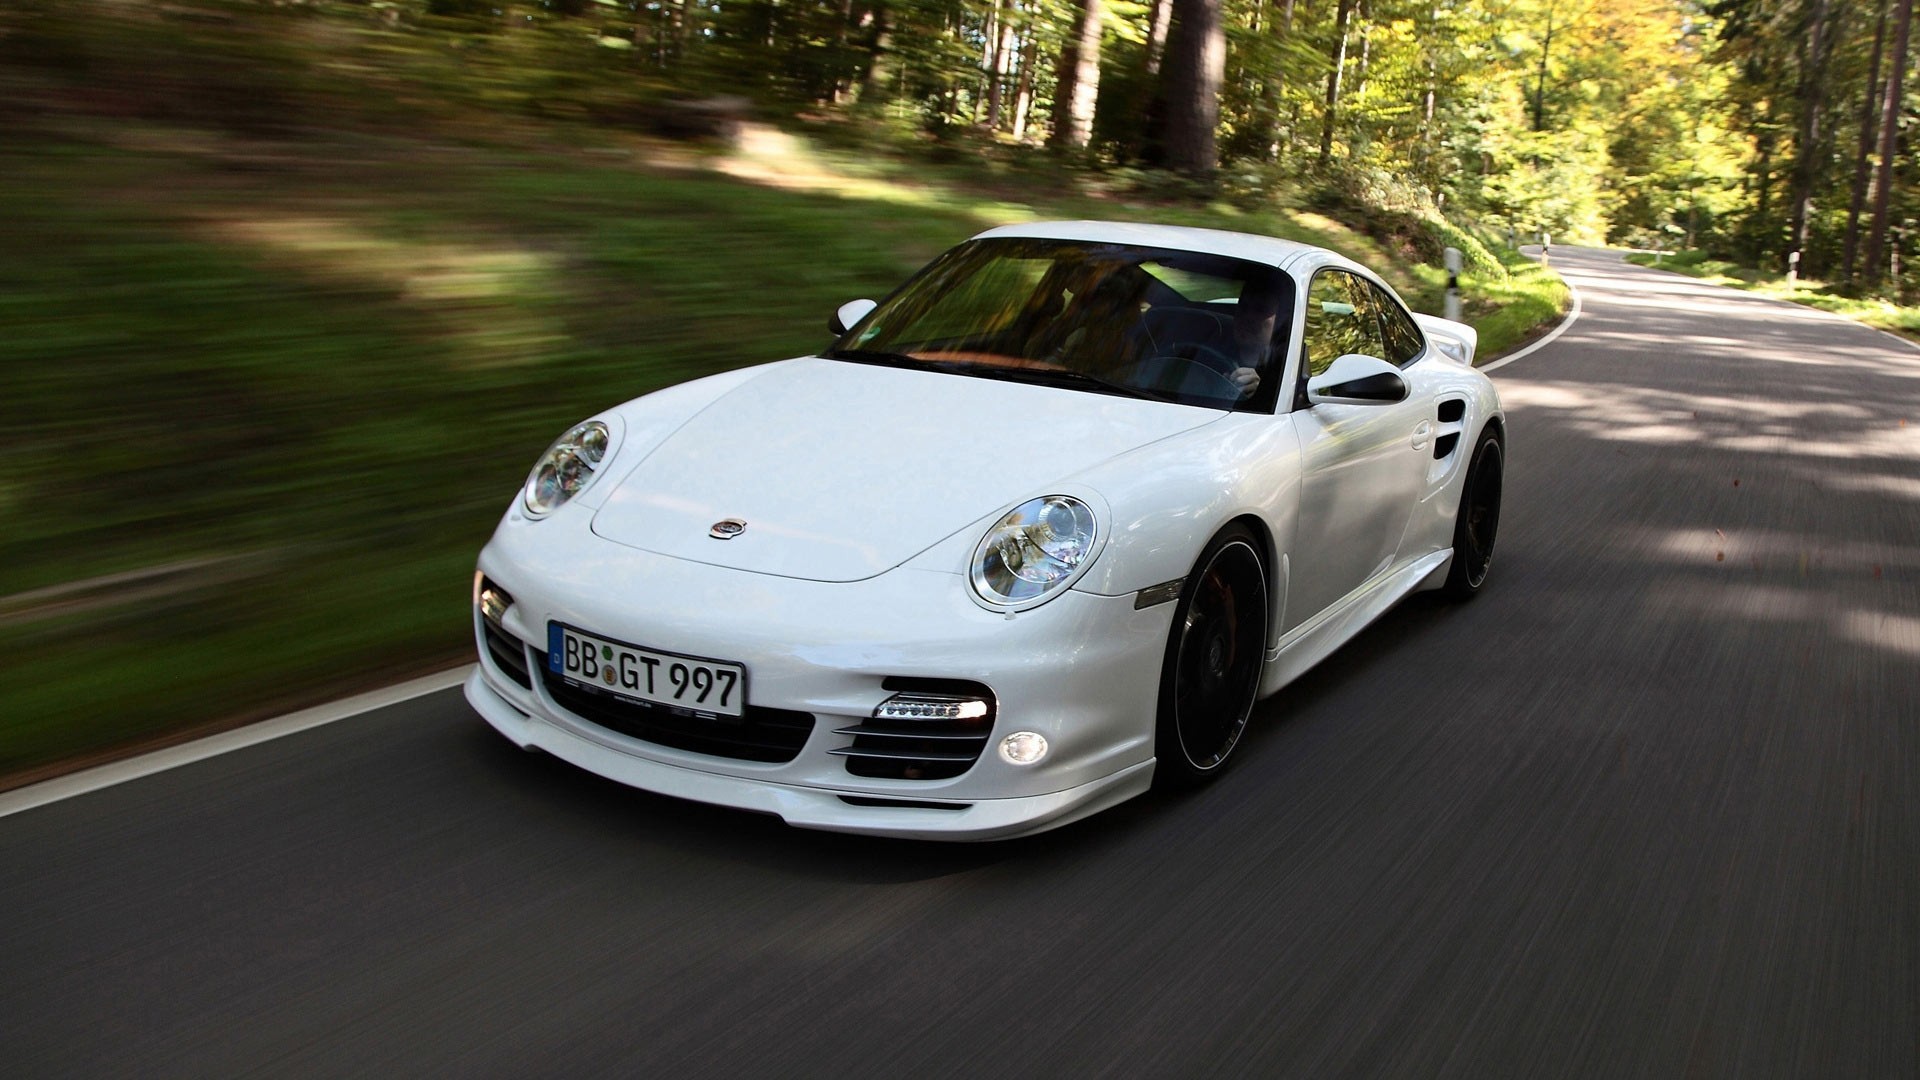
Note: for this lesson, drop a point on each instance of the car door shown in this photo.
(1407, 347)
(1363, 466)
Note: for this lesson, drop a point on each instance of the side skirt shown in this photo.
(1315, 640)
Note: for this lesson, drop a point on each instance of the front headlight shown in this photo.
(1039, 546)
(567, 467)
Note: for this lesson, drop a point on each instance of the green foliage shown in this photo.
(1475, 254)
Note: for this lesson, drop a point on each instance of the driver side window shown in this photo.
(1340, 320)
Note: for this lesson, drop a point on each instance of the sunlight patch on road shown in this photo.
(1776, 549)
(1883, 630)
(1722, 303)
(1901, 487)
(1795, 428)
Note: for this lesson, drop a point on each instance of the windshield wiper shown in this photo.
(908, 360)
(877, 356)
(1070, 377)
(1036, 376)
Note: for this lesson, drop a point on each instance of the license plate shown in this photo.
(649, 675)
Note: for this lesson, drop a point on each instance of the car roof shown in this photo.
(1253, 248)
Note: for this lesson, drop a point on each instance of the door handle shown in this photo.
(1422, 435)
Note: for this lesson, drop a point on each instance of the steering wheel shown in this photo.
(1213, 362)
(1212, 359)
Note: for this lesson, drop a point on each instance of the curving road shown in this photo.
(1651, 807)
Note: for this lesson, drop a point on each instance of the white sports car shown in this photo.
(1031, 536)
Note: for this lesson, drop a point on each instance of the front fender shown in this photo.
(1170, 498)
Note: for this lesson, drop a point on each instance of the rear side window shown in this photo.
(1404, 341)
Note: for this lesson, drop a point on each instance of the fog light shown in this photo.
(1023, 747)
(930, 707)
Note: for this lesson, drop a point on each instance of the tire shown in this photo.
(1478, 523)
(1216, 649)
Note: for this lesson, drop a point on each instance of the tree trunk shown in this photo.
(999, 47)
(1196, 65)
(1869, 113)
(1343, 20)
(1366, 47)
(1159, 17)
(1763, 196)
(879, 49)
(688, 17)
(1269, 85)
(1426, 119)
(1078, 85)
(1540, 84)
(1806, 151)
(1889, 134)
(1023, 95)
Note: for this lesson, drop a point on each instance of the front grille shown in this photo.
(919, 748)
(508, 654)
(768, 735)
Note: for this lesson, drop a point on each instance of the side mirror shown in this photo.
(1357, 380)
(850, 312)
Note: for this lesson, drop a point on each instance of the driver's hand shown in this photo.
(1247, 379)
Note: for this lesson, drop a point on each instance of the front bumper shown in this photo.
(806, 807)
(1082, 670)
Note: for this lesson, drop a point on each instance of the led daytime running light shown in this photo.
(926, 707)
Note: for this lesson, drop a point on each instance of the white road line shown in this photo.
(119, 772)
(1573, 315)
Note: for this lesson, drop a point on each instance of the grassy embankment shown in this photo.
(266, 399)
(1900, 319)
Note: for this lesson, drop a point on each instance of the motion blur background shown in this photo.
(291, 294)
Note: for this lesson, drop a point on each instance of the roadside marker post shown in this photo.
(1453, 284)
(1793, 269)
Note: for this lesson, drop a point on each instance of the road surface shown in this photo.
(1650, 807)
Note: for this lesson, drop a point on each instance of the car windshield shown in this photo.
(1153, 323)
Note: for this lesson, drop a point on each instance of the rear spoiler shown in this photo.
(1456, 341)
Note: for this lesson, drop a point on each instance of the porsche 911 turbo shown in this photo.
(1031, 536)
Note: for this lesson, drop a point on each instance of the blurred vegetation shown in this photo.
(292, 295)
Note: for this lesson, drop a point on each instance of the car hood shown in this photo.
(842, 471)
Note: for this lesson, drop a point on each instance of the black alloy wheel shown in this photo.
(1215, 652)
(1479, 520)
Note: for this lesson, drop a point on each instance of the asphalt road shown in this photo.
(1647, 808)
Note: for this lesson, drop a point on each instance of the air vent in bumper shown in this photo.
(931, 729)
(507, 654)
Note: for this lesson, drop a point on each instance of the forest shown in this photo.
(1747, 128)
(1753, 127)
